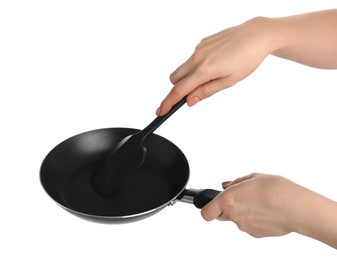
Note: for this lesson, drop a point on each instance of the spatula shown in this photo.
(127, 156)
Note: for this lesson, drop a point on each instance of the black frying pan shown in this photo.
(160, 181)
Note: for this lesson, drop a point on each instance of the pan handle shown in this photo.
(198, 197)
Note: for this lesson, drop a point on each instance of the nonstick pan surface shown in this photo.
(65, 175)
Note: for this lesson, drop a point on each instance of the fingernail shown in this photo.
(225, 183)
(193, 101)
(158, 111)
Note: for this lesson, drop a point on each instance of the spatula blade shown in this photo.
(122, 162)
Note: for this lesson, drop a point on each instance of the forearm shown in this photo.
(310, 39)
(316, 217)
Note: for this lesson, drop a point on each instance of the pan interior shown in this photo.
(66, 171)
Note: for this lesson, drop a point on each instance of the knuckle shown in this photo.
(207, 91)
(176, 91)
(172, 78)
(202, 43)
(227, 200)
(253, 175)
(205, 68)
(199, 55)
(243, 228)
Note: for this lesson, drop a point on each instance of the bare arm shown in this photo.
(269, 205)
(310, 39)
(223, 59)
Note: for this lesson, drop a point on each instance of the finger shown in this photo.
(244, 178)
(212, 210)
(209, 88)
(226, 184)
(183, 88)
(186, 88)
(182, 71)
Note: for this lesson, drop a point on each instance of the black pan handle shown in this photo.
(198, 197)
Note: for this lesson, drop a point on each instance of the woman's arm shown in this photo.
(268, 205)
(223, 59)
(310, 39)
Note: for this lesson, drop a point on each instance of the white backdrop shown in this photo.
(71, 66)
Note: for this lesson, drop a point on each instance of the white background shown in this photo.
(71, 66)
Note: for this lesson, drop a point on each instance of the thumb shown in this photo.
(209, 89)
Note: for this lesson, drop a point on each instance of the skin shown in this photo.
(225, 58)
(261, 204)
(265, 205)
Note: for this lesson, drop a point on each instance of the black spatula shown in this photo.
(126, 157)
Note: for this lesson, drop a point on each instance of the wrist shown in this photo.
(276, 34)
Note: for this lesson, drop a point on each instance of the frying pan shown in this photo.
(160, 181)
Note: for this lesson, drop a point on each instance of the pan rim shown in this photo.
(123, 218)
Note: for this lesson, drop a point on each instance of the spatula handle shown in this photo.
(161, 119)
